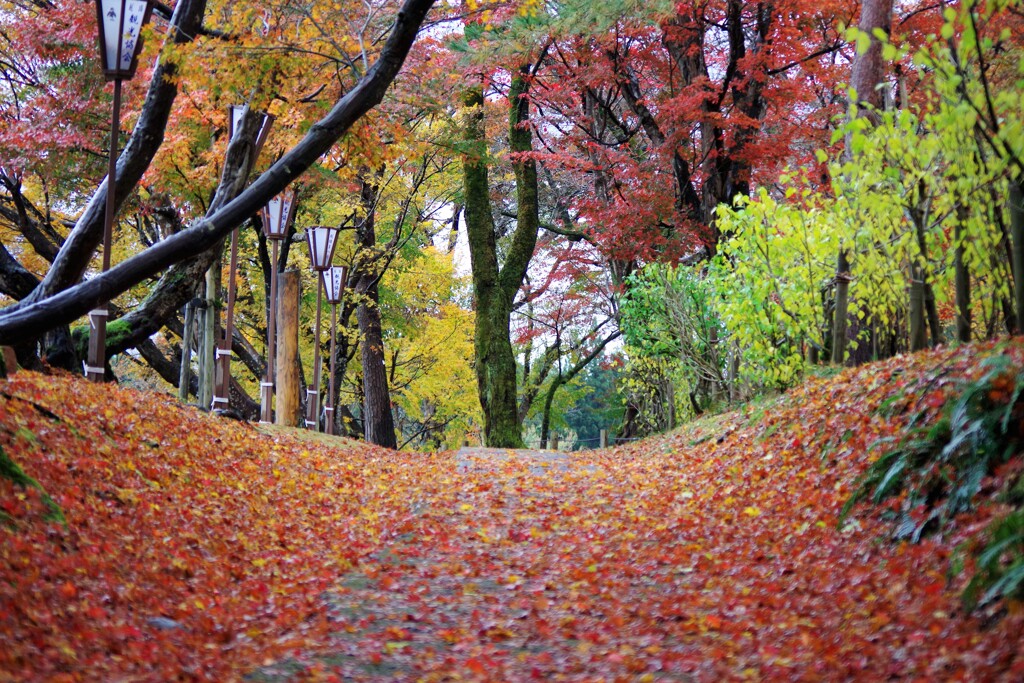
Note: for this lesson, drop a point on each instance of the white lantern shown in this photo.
(278, 215)
(321, 240)
(120, 27)
(334, 283)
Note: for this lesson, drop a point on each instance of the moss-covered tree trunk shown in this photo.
(207, 337)
(495, 286)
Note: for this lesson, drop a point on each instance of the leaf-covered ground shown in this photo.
(200, 549)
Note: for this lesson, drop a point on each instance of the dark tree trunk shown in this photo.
(378, 421)
(918, 333)
(962, 280)
(842, 308)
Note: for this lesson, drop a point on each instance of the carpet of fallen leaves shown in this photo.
(202, 549)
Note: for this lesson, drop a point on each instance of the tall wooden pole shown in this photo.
(221, 391)
(287, 365)
(313, 393)
(95, 368)
(267, 385)
(330, 391)
(185, 371)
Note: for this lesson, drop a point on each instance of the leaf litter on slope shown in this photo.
(675, 558)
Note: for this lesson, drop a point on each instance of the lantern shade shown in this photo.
(235, 114)
(278, 215)
(334, 283)
(321, 240)
(120, 27)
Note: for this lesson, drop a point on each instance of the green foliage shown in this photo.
(674, 337)
(1000, 565)
(770, 278)
(596, 409)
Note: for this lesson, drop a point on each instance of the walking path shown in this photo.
(462, 586)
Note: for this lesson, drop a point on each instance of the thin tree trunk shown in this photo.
(932, 311)
(962, 280)
(1017, 237)
(184, 374)
(842, 309)
(918, 333)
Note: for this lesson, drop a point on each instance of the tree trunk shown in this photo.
(868, 69)
(495, 288)
(918, 333)
(842, 309)
(866, 74)
(962, 280)
(1017, 238)
(932, 312)
(378, 421)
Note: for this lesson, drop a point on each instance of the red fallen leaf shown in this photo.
(68, 590)
(713, 621)
(475, 665)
